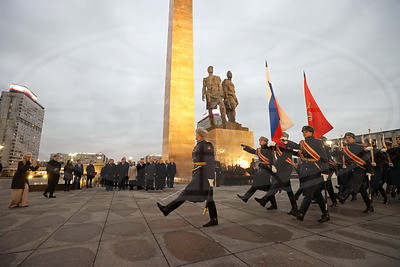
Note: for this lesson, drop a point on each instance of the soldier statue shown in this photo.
(213, 94)
(230, 99)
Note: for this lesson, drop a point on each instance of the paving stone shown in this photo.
(166, 224)
(23, 240)
(13, 259)
(339, 253)
(124, 228)
(225, 261)
(82, 255)
(44, 221)
(189, 246)
(278, 255)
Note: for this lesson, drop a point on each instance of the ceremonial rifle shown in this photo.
(372, 160)
(341, 149)
(385, 147)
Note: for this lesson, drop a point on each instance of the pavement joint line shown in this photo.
(33, 251)
(102, 230)
(151, 231)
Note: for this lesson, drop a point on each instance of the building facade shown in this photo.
(21, 122)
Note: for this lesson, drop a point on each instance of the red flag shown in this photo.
(314, 114)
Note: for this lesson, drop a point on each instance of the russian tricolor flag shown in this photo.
(278, 119)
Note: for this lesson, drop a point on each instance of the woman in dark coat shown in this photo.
(20, 184)
(68, 170)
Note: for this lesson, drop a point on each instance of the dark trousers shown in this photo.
(275, 188)
(170, 180)
(77, 182)
(362, 191)
(51, 186)
(305, 204)
(67, 185)
(89, 181)
(109, 184)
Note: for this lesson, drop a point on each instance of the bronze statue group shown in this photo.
(360, 168)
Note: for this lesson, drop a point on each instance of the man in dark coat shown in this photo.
(161, 175)
(109, 173)
(203, 179)
(90, 173)
(313, 165)
(358, 166)
(171, 172)
(284, 166)
(141, 174)
(53, 175)
(150, 174)
(262, 179)
(78, 172)
(122, 173)
(393, 170)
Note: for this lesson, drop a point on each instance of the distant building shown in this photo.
(21, 122)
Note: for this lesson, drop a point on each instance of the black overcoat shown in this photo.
(21, 176)
(199, 188)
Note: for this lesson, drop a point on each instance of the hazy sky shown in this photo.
(98, 67)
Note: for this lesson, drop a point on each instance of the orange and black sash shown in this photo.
(263, 158)
(353, 156)
(288, 160)
(309, 150)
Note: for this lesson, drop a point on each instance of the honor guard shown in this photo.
(358, 165)
(313, 165)
(262, 179)
(284, 166)
(200, 188)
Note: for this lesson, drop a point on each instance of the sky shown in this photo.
(98, 67)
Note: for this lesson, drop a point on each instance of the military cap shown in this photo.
(201, 131)
(263, 138)
(285, 134)
(307, 128)
(350, 134)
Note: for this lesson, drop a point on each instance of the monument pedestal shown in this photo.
(227, 140)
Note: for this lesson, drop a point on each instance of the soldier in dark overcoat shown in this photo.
(200, 188)
(262, 179)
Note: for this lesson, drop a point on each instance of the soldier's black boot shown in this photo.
(386, 200)
(305, 204)
(247, 195)
(294, 211)
(343, 196)
(262, 201)
(170, 207)
(273, 204)
(367, 201)
(324, 218)
(212, 209)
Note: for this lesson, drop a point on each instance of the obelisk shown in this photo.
(178, 132)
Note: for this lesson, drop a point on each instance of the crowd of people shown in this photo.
(151, 175)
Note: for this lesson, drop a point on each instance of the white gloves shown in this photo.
(391, 165)
(344, 166)
(373, 164)
(383, 149)
(325, 177)
(273, 168)
(271, 143)
(211, 182)
(369, 148)
(369, 176)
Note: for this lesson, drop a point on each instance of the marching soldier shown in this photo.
(284, 166)
(331, 171)
(200, 188)
(376, 179)
(358, 165)
(262, 179)
(394, 167)
(313, 164)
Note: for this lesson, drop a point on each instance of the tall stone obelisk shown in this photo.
(178, 132)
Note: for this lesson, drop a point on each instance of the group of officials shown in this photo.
(144, 175)
(360, 168)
